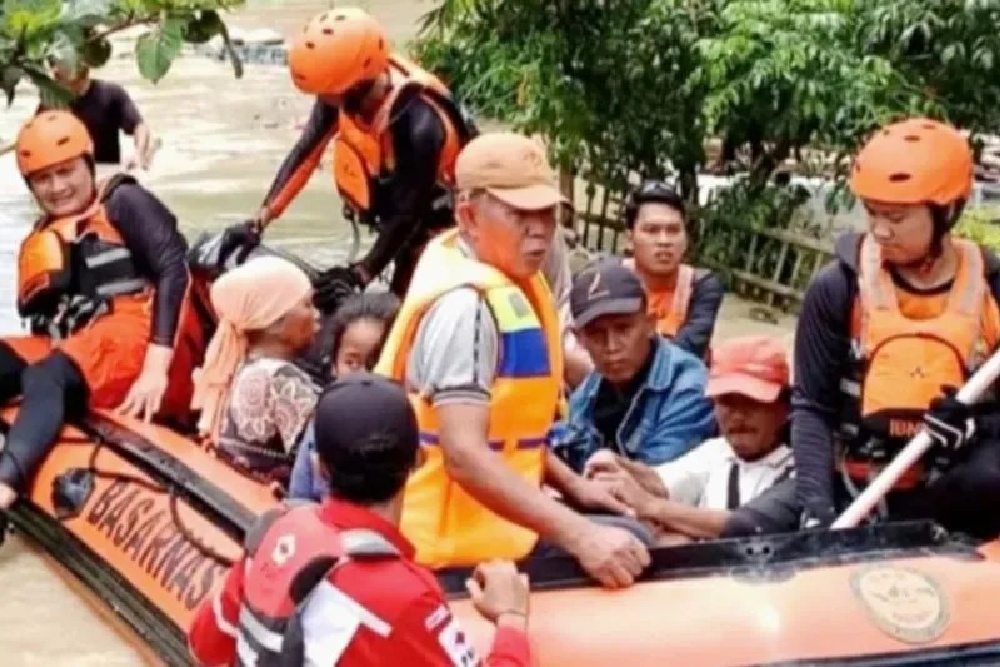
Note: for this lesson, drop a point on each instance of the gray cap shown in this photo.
(607, 287)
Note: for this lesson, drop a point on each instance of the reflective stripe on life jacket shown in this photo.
(70, 268)
(445, 523)
(899, 364)
(288, 562)
(363, 155)
(670, 318)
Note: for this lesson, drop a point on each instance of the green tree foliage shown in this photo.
(948, 50)
(34, 32)
(642, 85)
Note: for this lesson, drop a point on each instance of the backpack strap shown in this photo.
(359, 545)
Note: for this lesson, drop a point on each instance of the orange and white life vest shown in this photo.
(363, 153)
(900, 364)
(671, 314)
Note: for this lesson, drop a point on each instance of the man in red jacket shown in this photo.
(335, 583)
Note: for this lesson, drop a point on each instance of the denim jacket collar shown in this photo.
(657, 380)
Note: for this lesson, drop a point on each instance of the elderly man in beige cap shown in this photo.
(477, 345)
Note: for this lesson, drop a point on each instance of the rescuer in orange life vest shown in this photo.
(102, 278)
(888, 330)
(684, 300)
(396, 132)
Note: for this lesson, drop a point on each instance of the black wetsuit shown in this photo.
(405, 209)
(962, 498)
(695, 335)
(106, 110)
(54, 388)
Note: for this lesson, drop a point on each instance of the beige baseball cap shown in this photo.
(511, 167)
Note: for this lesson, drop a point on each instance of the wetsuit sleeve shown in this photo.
(427, 634)
(159, 250)
(128, 113)
(989, 422)
(212, 634)
(696, 333)
(822, 346)
(418, 137)
(302, 161)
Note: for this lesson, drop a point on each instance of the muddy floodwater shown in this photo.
(223, 139)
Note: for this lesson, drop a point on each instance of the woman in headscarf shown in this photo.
(255, 402)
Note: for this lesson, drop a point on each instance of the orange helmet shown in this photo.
(915, 161)
(49, 138)
(338, 50)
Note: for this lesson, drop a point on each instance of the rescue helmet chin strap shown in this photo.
(943, 219)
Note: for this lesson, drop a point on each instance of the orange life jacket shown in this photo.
(363, 154)
(670, 317)
(899, 364)
(447, 525)
(69, 269)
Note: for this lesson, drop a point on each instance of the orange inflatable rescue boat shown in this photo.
(149, 521)
(144, 517)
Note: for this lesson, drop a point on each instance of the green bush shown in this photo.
(981, 225)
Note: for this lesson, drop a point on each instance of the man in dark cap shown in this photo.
(645, 399)
(335, 583)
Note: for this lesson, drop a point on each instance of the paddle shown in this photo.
(921, 442)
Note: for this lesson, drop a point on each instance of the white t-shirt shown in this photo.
(701, 477)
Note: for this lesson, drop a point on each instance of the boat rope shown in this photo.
(173, 498)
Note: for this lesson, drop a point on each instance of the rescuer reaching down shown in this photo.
(396, 132)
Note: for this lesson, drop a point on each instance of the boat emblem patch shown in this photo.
(904, 603)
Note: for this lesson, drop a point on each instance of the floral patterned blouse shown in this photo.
(270, 404)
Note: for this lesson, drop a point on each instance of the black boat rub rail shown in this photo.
(762, 558)
(202, 492)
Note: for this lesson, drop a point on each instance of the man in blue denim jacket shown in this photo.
(646, 397)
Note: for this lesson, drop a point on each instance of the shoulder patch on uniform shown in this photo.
(256, 532)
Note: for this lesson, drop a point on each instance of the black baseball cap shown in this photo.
(358, 407)
(606, 287)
